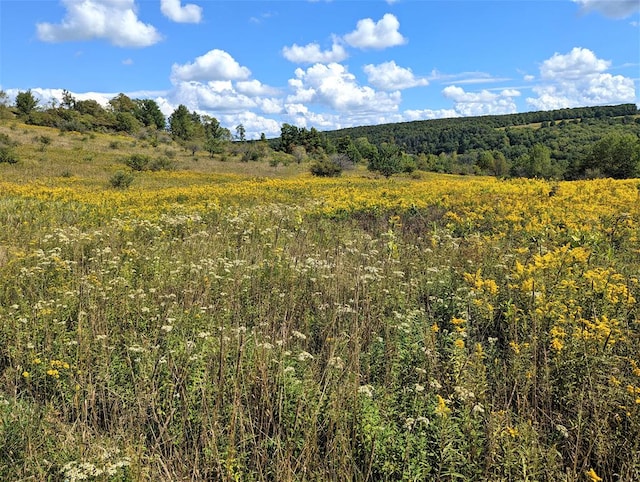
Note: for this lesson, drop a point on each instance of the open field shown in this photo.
(237, 321)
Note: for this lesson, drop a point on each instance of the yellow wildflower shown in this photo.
(459, 343)
(442, 410)
(515, 347)
(556, 344)
(513, 432)
(592, 476)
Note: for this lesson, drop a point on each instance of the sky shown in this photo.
(325, 64)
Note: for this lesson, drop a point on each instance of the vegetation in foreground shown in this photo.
(201, 326)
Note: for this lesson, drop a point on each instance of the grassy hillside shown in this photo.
(229, 320)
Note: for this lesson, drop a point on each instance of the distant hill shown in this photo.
(567, 134)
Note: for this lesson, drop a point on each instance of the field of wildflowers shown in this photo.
(203, 326)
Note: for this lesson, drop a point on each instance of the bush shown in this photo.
(326, 168)
(162, 164)
(7, 155)
(138, 162)
(121, 180)
(6, 140)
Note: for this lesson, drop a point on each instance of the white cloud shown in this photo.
(465, 78)
(172, 9)
(578, 79)
(112, 20)
(127, 62)
(215, 96)
(389, 76)
(481, 103)
(46, 95)
(610, 8)
(428, 114)
(333, 86)
(270, 105)
(311, 53)
(254, 88)
(253, 123)
(376, 35)
(575, 65)
(214, 65)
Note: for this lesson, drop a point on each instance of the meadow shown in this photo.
(243, 322)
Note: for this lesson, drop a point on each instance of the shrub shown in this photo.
(7, 155)
(138, 162)
(162, 164)
(6, 140)
(121, 180)
(326, 168)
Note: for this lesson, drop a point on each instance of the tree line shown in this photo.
(564, 144)
(572, 143)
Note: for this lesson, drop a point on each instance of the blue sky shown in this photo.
(326, 64)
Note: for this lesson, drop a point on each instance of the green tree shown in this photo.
(241, 133)
(365, 148)
(299, 154)
(181, 124)
(539, 162)
(122, 103)
(288, 137)
(486, 161)
(215, 136)
(148, 113)
(616, 155)
(500, 165)
(68, 100)
(127, 122)
(387, 161)
(26, 102)
(89, 107)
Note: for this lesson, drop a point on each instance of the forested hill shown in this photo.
(567, 136)
(461, 134)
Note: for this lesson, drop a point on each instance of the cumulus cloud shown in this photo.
(189, 13)
(481, 103)
(376, 35)
(389, 76)
(216, 96)
(214, 65)
(575, 65)
(113, 20)
(333, 86)
(254, 88)
(254, 124)
(610, 8)
(311, 53)
(577, 79)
